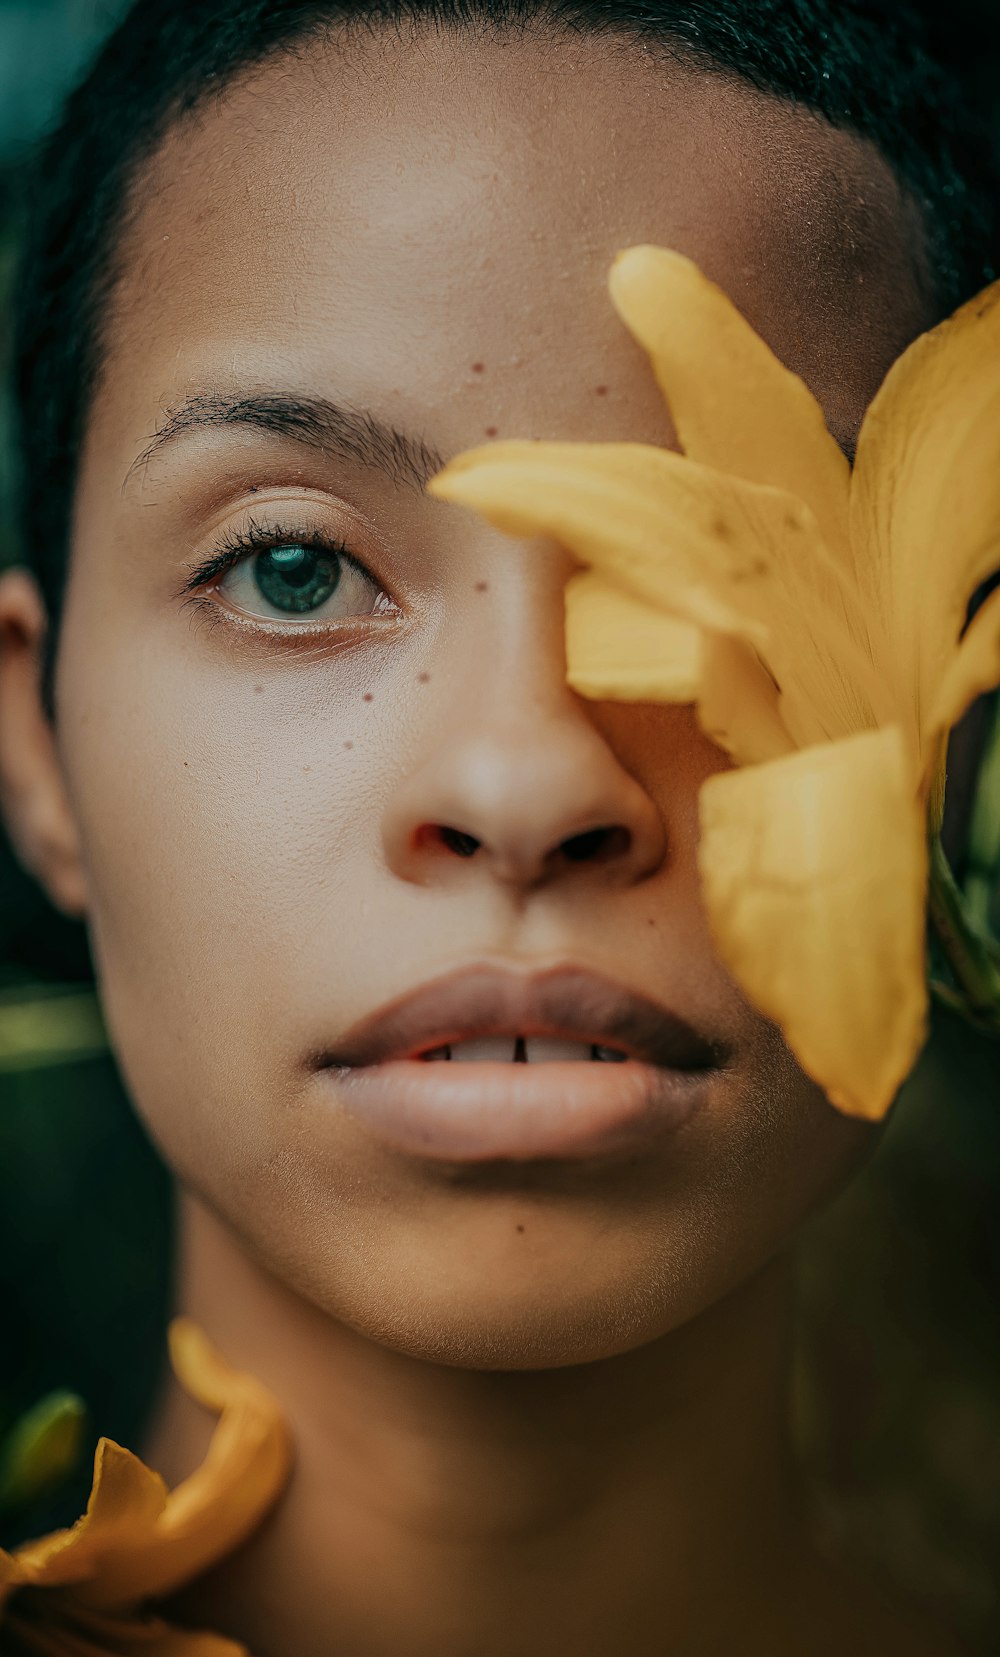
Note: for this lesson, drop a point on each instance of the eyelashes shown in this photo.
(284, 576)
(255, 537)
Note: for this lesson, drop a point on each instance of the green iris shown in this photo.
(296, 578)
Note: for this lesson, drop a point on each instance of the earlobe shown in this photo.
(33, 797)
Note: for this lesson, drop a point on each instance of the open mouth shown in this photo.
(524, 1050)
(552, 1064)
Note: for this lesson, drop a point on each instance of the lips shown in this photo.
(496, 1109)
(563, 1002)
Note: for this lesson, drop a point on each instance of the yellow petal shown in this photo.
(12, 1575)
(926, 495)
(223, 1502)
(814, 870)
(730, 557)
(672, 534)
(125, 1504)
(734, 405)
(621, 650)
(135, 1541)
(739, 705)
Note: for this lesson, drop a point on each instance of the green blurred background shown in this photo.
(897, 1382)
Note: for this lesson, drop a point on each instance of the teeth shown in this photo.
(530, 1050)
(547, 1049)
(483, 1048)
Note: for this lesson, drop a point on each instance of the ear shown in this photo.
(33, 796)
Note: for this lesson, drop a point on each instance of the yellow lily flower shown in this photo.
(814, 613)
(82, 1592)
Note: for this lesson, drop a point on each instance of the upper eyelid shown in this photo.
(286, 504)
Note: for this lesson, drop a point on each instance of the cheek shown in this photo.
(227, 810)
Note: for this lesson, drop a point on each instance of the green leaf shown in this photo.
(39, 1030)
(981, 885)
(965, 961)
(41, 1449)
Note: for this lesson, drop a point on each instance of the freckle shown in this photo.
(601, 390)
(348, 744)
(423, 678)
(491, 431)
(185, 765)
(721, 529)
(482, 586)
(258, 689)
(479, 368)
(651, 921)
(520, 1228)
(368, 697)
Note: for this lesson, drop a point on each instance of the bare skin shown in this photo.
(538, 1406)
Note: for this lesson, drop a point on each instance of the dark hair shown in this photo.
(868, 74)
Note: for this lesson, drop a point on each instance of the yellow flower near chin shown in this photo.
(84, 1592)
(814, 614)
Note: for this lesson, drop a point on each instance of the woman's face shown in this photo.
(415, 239)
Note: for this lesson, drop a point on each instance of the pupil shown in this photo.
(296, 578)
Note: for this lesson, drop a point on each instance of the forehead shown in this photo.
(426, 225)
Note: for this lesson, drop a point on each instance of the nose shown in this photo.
(521, 782)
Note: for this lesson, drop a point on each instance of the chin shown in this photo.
(513, 1333)
(526, 1287)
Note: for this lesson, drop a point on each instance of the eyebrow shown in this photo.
(331, 428)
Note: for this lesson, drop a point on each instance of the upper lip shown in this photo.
(484, 999)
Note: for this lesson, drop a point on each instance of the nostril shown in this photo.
(456, 840)
(592, 846)
(598, 842)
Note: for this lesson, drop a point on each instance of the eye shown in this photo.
(297, 581)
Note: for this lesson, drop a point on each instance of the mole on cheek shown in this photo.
(348, 744)
(600, 390)
(368, 697)
(491, 431)
(479, 368)
(482, 586)
(422, 678)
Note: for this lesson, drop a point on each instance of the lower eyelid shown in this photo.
(269, 632)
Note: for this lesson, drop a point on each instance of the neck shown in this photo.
(596, 1508)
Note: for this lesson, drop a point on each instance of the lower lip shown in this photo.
(486, 1111)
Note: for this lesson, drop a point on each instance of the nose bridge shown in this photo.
(516, 773)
